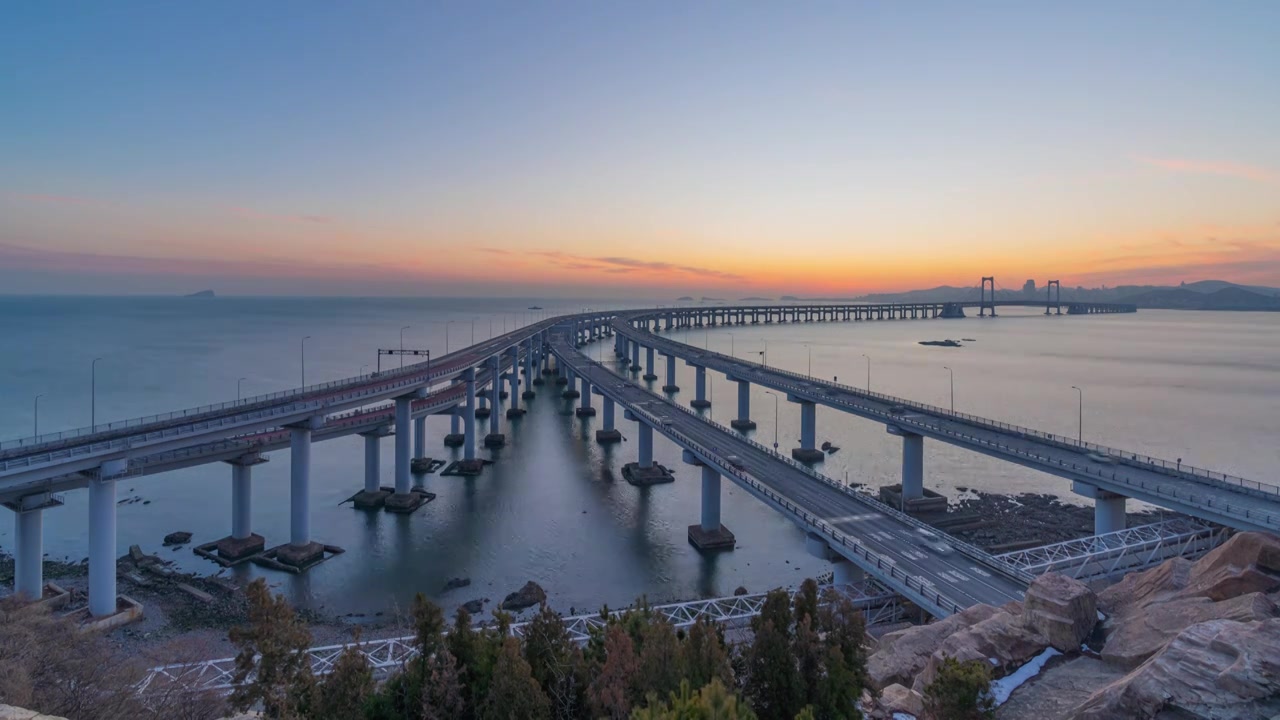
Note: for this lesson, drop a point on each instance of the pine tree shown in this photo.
(273, 649)
(513, 693)
(613, 693)
(810, 654)
(773, 682)
(442, 696)
(806, 601)
(960, 691)
(712, 702)
(346, 688)
(843, 627)
(703, 655)
(659, 659)
(556, 662)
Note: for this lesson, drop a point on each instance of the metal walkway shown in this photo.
(1124, 551)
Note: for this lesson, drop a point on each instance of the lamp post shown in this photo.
(93, 395)
(35, 430)
(764, 354)
(731, 351)
(868, 357)
(406, 327)
(304, 359)
(446, 335)
(362, 367)
(775, 419)
(953, 387)
(809, 351)
(239, 382)
(1080, 415)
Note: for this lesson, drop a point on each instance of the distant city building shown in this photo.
(1029, 288)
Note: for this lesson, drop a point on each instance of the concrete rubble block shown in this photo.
(902, 654)
(1061, 609)
(1004, 637)
(1214, 669)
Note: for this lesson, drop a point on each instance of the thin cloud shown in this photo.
(300, 219)
(617, 265)
(1222, 169)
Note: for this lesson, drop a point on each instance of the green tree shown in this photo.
(659, 658)
(838, 690)
(843, 627)
(272, 648)
(704, 656)
(773, 682)
(556, 662)
(513, 693)
(442, 697)
(810, 654)
(806, 601)
(807, 714)
(346, 689)
(712, 702)
(613, 692)
(960, 691)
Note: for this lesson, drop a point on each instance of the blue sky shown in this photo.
(489, 147)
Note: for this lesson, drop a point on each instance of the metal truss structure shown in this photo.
(1111, 554)
(387, 655)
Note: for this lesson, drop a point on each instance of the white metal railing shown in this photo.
(1123, 550)
(1138, 460)
(387, 655)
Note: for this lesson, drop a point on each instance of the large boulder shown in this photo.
(1005, 640)
(1216, 669)
(898, 699)
(1135, 637)
(1061, 609)
(528, 596)
(1148, 609)
(11, 712)
(902, 654)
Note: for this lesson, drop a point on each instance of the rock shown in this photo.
(1215, 669)
(529, 595)
(1004, 637)
(1135, 637)
(136, 553)
(903, 653)
(10, 712)
(473, 607)
(177, 538)
(898, 699)
(455, 583)
(740, 590)
(1061, 609)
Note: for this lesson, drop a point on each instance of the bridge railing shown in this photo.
(432, 369)
(1160, 465)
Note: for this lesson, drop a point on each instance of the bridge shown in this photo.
(867, 537)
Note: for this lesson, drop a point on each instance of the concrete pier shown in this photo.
(1108, 507)
(700, 389)
(709, 534)
(242, 542)
(844, 572)
(455, 438)
(372, 496)
(28, 556)
(807, 452)
(102, 547)
(529, 378)
(514, 411)
(743, 421)
(585, 409)
(649, 366)
(570, 392)
(404, 411)
(912, 466)
(420, 438)
(645, 471)
(495, 439)
(671, 385)
(608, 434)
(635, 356)
(469, 417)
(302, 550)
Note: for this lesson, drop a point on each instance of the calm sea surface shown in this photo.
(1201, 386)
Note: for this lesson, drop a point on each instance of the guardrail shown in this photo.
(1174, 469)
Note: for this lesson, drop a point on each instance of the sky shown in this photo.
(597, 149)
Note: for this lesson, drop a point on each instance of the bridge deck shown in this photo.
(1255, 506)
(841, 514)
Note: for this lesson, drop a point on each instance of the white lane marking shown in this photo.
(980, 571)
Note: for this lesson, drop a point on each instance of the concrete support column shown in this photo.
(404, 409)
(455, 422)
(495, 438)
(469, 419)
(700, 388)
(420, 437)
(646, 447)
(912, 466)
(28, 558)
(242, 500)
(710, 499)
(649, 366)
(608, 413)
(514, 381)
(300, 486)
(743, 421)
(102, 547)
(807, 452)
(844, 572)
(584, 407)
(1108, 513)
(671, 375)
(635, 357)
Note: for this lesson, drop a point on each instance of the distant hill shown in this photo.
(201, 294)
(1231, 297)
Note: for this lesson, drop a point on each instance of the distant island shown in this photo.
(1199, 295)
(711, 299)
(756, 299)
(686, 298)
(201, 294)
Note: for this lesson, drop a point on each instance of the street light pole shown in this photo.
(93, 395)
(446, 335)
(953, 387)
(1080, 418)
(35, 431)
(238, 383)
(868, 357)
(304, 359)
(731, 350)
(406, 327)
(809, 351)
(775, 420)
